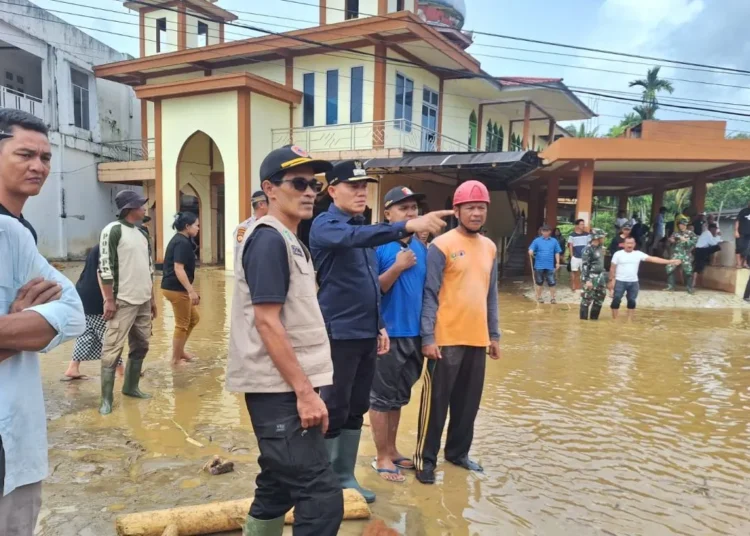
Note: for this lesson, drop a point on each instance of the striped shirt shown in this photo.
(579, 241)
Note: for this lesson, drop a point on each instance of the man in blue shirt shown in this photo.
(544, 254)
(402, 267)
(349, 297)
(39, 309)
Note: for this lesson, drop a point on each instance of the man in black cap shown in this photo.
(279, 356)
(259, 202)
(126, 270)
(349, 296)
(402, 266)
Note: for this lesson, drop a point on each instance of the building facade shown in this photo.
(46, 68)
(377, 81)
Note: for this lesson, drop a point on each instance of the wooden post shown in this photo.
(158, 180)
(378, 110)
(553, 192)
(700, 187)
(585, 195)
(181, 27)
(244, 133)
(526, 126)
(535, 209)
(657, 200)
(551, 134)
(622, 204)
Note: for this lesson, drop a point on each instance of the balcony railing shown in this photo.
(10, 98)
(128, 150)
(395, 134)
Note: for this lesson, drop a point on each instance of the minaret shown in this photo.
(333, 11)
(179, 25)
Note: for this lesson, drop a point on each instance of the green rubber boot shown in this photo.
(670, 281)
(689, 285)
(595, 310)
(343, 453)
(132, 379)
(108, 387)
(258, 527)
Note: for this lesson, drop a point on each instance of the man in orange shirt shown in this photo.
(459, 321)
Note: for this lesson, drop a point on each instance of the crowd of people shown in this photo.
(319, 335)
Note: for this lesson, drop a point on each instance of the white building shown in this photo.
(46, 69)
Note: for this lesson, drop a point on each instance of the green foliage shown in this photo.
(605, 220)
(652, 85)
(582, 131)
(726, 195)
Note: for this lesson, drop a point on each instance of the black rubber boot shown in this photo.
(584, 312)
(132, 379)
(595, 310)
(108, 387)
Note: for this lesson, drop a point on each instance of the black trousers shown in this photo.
(454, 382)
(294, 468)
(348, 399)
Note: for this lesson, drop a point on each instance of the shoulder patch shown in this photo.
(297, 250)
(241, 234)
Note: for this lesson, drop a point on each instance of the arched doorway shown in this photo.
(200, 184)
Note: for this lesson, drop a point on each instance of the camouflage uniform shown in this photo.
(684, 243)
(592, 269)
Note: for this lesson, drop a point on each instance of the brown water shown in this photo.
(585, 428)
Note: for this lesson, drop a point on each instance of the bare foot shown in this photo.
(187, 357)
(387, 470)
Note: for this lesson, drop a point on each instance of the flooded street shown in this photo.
(585, 428)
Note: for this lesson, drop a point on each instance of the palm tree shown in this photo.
(652, 85)
(630, 120)
(583, 132)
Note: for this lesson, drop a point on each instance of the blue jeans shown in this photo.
(541, 275)
(621, 287)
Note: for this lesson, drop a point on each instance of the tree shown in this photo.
(630, 120)
(652, 85)
(582, 131)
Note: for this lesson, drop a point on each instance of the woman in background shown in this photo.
(177, 282)
(89, 345)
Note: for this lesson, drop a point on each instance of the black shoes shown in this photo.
(467, 464)
(426, 475)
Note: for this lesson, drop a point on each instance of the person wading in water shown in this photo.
(459, 321)
(279, 356)
(349, 296)
(402, 267)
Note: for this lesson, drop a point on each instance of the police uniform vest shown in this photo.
(239, 234)
(250, 368)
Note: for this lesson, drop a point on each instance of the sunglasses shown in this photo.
(301, 184)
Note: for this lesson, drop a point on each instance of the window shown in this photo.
(80, 83)
(500, 137)
(161, 33)
(473, 130)
(202, 34)
(308, 101)
(404, 102)
(8, 75)
(399, 5)
(495, 138)
(352, 9)
(355, 111)
(332, 97)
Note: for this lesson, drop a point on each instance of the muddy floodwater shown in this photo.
(585, 428)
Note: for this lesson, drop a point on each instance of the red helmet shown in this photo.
(471, 192)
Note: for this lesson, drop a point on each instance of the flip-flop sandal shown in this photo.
(399, 462)
(389, 472)
(74, 378)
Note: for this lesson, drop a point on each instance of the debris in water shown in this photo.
(217, 466)
(187, 437)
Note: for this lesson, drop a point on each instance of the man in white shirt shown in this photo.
(707, 245)
(623, 274)
(659, 227)
(621, 220)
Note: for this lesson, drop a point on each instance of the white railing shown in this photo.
(10, 98)
(394, 134)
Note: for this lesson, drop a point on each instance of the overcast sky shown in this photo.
(701, 31)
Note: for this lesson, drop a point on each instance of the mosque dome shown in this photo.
(449, 13)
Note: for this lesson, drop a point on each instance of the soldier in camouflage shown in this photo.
(593, 276)
(683, 243)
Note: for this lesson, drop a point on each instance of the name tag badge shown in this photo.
(297, 250)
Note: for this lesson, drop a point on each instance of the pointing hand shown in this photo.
(432, 222)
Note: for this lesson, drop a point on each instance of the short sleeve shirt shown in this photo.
(266, 263)
(544, 250)
(179, 250)
(744, 218)
(579, 241)
(401, 306)
(627, 265)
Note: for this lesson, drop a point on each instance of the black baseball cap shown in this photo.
(627, 225)
(546, 227)
(281, 160)
(399, 194)
(348, 171)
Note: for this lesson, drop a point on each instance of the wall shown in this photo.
(502, 121)
(192, 21)
(216, 115)
(170, 44)
(119, 111)
(272, 70)
(265, 114)
(436, 193)
(335, 9)
(456, 113)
